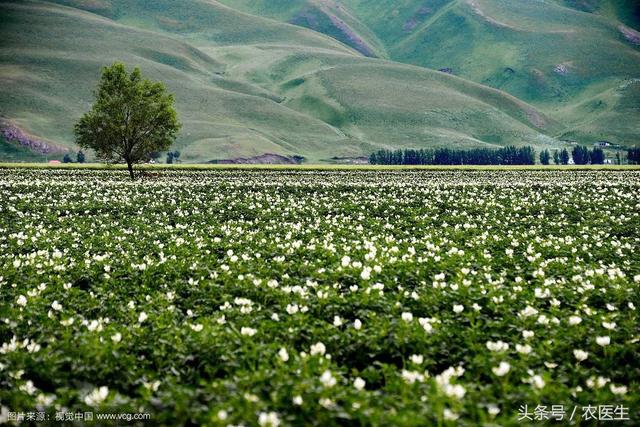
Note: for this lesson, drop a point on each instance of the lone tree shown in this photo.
(131, 118)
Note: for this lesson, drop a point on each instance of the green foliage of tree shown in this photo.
(580, 155)
(633, 156)
(545, 157)
(67, 158)
(556, 157)
(597, 156)
(80, 157)
(444, 156)
(564, 157)
(131, 118)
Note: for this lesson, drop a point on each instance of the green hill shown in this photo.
(552, 54)
(326, 79)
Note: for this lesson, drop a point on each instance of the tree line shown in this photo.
(80, 157)
(509, 155)
(580, 155)
(446, 156)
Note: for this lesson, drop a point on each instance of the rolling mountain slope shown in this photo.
(552, 53)
(244, 85)
(48, 78)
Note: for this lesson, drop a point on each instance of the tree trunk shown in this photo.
(130, 167)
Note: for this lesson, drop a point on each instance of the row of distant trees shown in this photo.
(172, 156)
(446, 156)
(580, 155)
(80, 157)
(484, 156)
(633, 156)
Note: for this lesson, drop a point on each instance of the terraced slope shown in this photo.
(244, 85)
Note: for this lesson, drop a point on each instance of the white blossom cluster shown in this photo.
(249, 297)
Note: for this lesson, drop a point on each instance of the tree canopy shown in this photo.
(131, 118)
(445, 156)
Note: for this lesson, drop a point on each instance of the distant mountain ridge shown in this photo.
(327, 79)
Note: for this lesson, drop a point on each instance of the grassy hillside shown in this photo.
(49, 72)
(244, 85)
(324, 16)
(552, 54)
(11, 152)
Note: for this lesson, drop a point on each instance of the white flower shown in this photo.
(596, 383)
(407, 317)
(94, 325)
(326, 403)
(528, 311)
(22, 300)
(618, 389)
(337, 321)
(493, 409)
(359, 383)
(366, 273)
(543, 320)
(318, 348)
(142, 317)
(197, 327)
(222, 415)
(327, 379)
(528, 334)
(297, 400)
(580, 355)
(502, 369)
(575, 320)
(449, 415)
(458, 308)
(292, 308)
(56, 306)
(412, 376)
(28, 387)
(357, 324)
(345, 261)
(97, 396)
(247, 331)
(283, 354)
(537, 381)
(603, 341)
(268, 419)
(497, 346)
(426, 324)
(117, 337)
(417, 359)
(609, 325)
(67, 322)
(523, 349)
